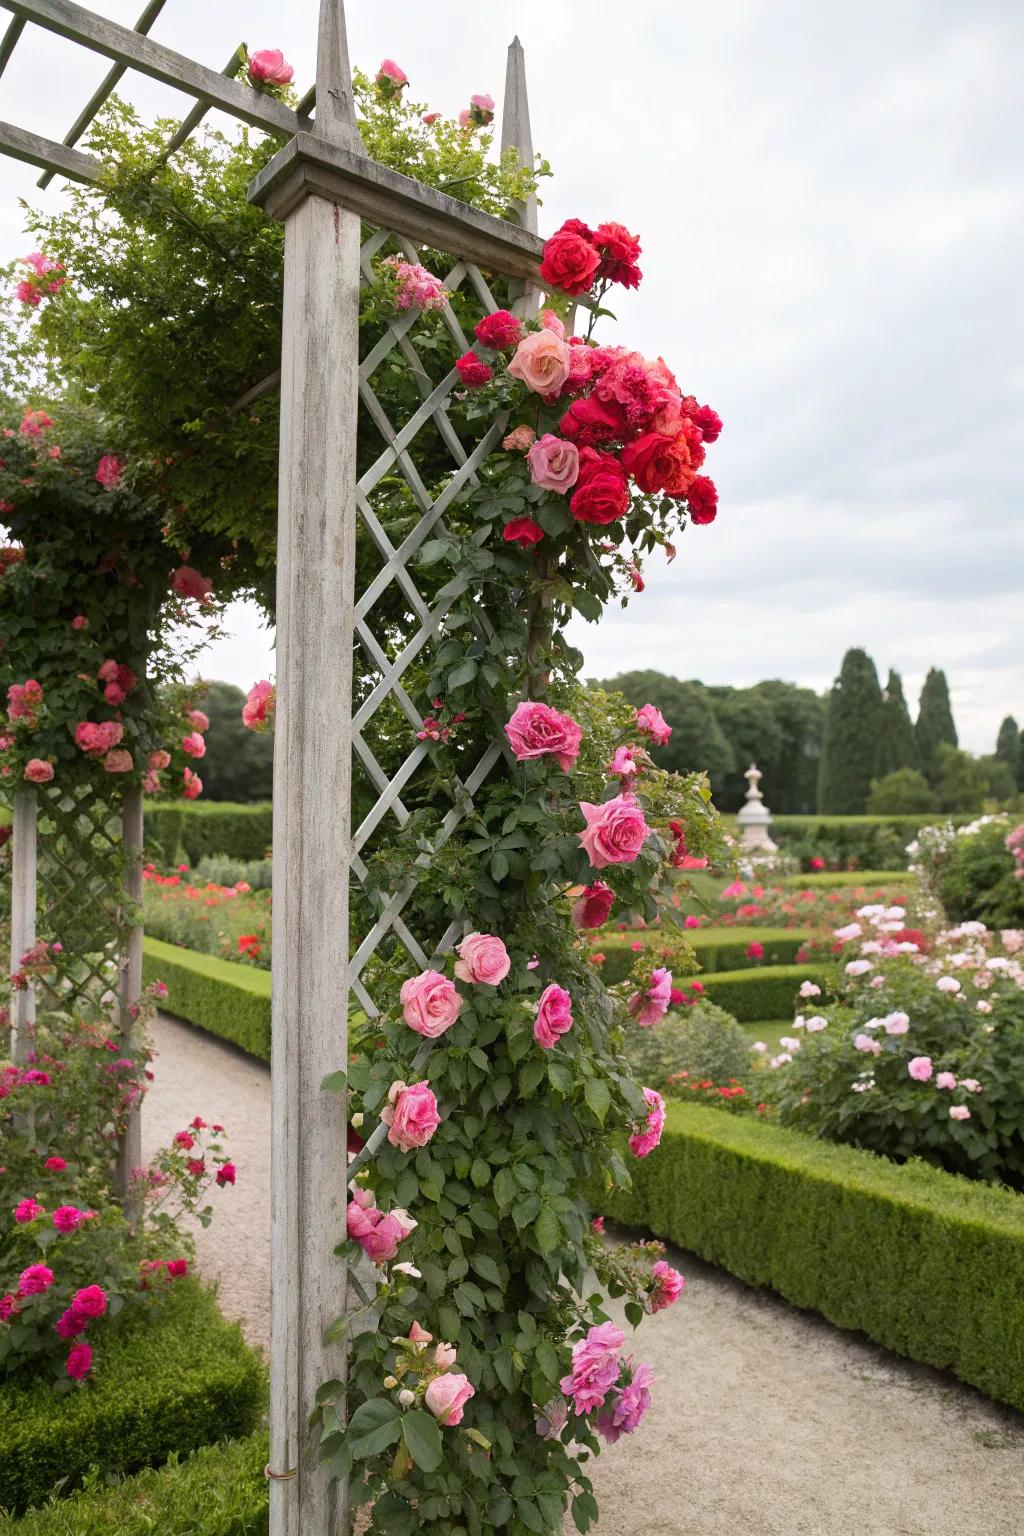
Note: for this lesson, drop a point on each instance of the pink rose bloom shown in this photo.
(118, 761)
(258, 709)
(381, 1242)
(90, 1301)
(920, 1068)
(430, 1003)
(193, 745)
(541, 362)
(361, 1216)
(959, 1112)
(653, 724)
(79, 621)
(945, 1080)
(554, 1016)
(418, 1335)
(642, 1143)
(410, 1115)
(447, 1395)
(188, 582)
(270, 67)
(615, 831)
(483, 958)
(519, 439)
(595, 1367)
(624, 1414)
(28, 1210)
(192, 785)
(755, 951)
(668, 1288)
(35, 1280)
(109, 471)
(593, 905)
(38, 771)
(159, 759)
(651, 1004)
(79, 1361)
(624, 764)
(67, 1217)
(70, 1324)
(550, 321)
(554, 463)
(444, 1356)
(198, 720)
(537, 730)
(151, 782)
(391, 78)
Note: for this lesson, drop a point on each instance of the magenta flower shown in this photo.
(411, 1115)
(28, 1210)
(269, 67)
(554, 1016)
(642, 1143)
(651, 1004)
(652, 723)
(595, 1367)
(615, 831)
(34, 1280)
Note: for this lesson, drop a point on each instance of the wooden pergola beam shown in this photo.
(134, 51)
(33, 149)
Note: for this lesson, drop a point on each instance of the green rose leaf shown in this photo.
(373, 1427)
(422, 1439)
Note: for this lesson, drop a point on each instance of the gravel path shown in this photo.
(766, 1421)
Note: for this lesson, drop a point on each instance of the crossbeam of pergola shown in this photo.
(323, 186)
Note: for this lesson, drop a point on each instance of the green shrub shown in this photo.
(220, 1490)
(170, 1381)
(874, 881)
(869, 842)
(905, 790)
(229, 1000)
(218, 922)
(923, 1262)
(762, 992)
(703, 1039)
(716, 949)
(973, 873)
(201, 830)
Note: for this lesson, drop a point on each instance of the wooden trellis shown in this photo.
(340, 209)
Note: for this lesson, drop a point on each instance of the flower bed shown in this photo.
(220, 1490)
(170, 1381)
(231, 921)
(229, 1000)
(927, 1264)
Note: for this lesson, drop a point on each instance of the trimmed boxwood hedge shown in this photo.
(169, 1380)
(229, 1000)
(761, 991)
(220, 1490)
(196, 828)
(926, 1263)
(717, 949)
(878, 879)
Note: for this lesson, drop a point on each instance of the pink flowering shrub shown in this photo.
(922, 1054)
(69, 1263)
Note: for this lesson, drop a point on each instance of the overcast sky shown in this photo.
(831, 204)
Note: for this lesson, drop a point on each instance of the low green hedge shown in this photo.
(220, 1490)
(197, 828)
(717, 949)
(877, 879)
(876, 841)
(928, 1264)
(229, 1000)
(167, 1381)
(761, 991)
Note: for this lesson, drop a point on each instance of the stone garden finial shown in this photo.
(754, 818)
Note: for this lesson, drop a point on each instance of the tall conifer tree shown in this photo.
(849, 752)
(1008, 748)
(897, 744)
(935, 727)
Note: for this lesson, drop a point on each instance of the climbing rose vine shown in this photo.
(485, 1371)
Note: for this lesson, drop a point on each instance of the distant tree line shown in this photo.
(854, 750)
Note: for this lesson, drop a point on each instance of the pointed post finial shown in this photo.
(335, 109)
(515, 124)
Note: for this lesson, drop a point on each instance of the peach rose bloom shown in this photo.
(541, 362)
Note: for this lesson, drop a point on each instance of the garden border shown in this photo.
(926, 1263)
(229, 1000)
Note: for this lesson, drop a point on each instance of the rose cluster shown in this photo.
(615, 1390)
(43, 279)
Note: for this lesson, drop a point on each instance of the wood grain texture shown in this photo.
(309, 165)
(23, 914)
(33, 149)
(129, 1152)
(124, 46)
(312, 790)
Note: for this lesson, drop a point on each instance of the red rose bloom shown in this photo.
(499, 330)
(600, 495)
(472, 371)
(709, 422)
(619, 250)
(595, 421)
(570, 261)
(659, 463)
(593, 905)
(523, 531)
(702, 497)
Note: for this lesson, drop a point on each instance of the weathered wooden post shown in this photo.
(23, 914)
(129, 1154)
(312, 777)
